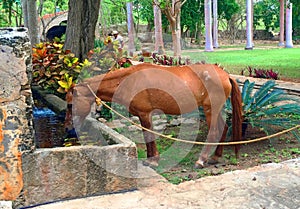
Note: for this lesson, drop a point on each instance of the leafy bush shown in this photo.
(55, 69)
(267, 107)
(169, 60)
(261, 73)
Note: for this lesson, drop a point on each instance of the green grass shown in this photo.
(285, 61)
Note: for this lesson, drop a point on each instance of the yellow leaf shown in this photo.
(63, 84)
(74, 60)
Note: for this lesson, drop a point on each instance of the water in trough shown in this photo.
(49, 130)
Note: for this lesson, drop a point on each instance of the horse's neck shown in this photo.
(106, 85)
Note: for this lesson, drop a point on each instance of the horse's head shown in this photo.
(79, 99)
(68, 124)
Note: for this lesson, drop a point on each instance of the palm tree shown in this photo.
(288, 32)
(159, 44)
(208, 26)
(130, 26)
(249, 44)
(281, 35)
(215, 25)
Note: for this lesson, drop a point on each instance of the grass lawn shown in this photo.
(285, 61)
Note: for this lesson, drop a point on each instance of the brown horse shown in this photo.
(146, 88)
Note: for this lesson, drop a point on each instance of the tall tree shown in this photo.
(249, 44)
(288, 32)
(172, 11)
(281, 34)
(192, 19)
(25, 12)
(208, 26)
(159, 44)
(215, 24)
(130, 27)
(80, 32)
(296, 17)
(230, 11)
(31, 20)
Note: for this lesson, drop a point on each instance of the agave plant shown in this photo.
(267, 107)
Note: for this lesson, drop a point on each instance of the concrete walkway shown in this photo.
(270, 186)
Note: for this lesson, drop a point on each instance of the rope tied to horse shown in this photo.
(100, 102)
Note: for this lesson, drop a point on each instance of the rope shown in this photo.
(99, 101)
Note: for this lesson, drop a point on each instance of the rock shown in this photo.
(189, 121)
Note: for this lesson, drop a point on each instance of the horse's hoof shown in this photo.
(212, 161)
(199, 164)
(216, 161)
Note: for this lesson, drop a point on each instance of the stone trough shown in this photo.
(31, 176)
(53, 174)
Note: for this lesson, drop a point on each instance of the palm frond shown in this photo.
(267, 108)
(261, 92)
(247, 91)
(285, 108)
(268, 99)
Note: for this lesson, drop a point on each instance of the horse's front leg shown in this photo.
(152, 153)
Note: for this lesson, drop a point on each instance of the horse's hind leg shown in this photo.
(152, 153)
(214, 135)
(221, 126)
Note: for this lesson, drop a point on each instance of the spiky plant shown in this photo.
(267, 107)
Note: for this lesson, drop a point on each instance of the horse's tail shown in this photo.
(237, 113)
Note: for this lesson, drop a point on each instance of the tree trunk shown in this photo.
(215, 25)
(248, 24)
(25, 13)
(130, 26)
(289, 28)
(80, 32)
(208, 26)
(159, 44)
(33, 22)
(173, 15)
(281, 34)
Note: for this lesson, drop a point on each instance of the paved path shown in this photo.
(270, 186)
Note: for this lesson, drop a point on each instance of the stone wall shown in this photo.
(16, 128)
(30, 176)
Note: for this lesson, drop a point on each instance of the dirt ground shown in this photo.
(177, 159)
(275, 150)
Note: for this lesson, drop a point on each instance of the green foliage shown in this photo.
(10, 13)
(50, 7)
(267, 12)
(267, 107)
(227, 8)
(296, 17)
(113, 12)
(55, 69)
(192, 16)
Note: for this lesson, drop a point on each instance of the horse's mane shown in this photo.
(137, 67)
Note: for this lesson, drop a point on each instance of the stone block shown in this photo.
(54, 174)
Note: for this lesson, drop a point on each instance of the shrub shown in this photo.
(261, 73)
(53, 65)
(169, 60)
(267, 107)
